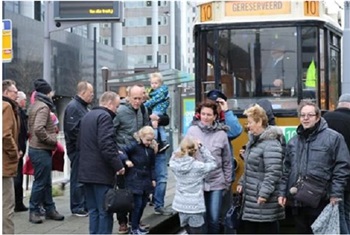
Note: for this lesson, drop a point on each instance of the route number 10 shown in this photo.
(311, 8)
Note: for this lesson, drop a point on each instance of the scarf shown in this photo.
(45, 99)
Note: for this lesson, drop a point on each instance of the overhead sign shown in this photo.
(289, 132)
(250, 8)
(206, 12)
(312, 8)
(87, 10)
(7, 51)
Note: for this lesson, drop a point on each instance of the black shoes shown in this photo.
(21, 208)
(54, 215)
(164, 145)
(35, 218)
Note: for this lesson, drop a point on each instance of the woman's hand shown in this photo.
(282, 201)
(334, 200)
(239, 188)
(261, 200)
(154, 183)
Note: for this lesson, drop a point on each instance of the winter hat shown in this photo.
(214, 94)
(345, 98)
(42, 86)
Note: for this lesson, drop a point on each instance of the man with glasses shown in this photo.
(10, 153)
(316, 152)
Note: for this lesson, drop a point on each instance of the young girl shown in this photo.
(139, 158)
(189, 174)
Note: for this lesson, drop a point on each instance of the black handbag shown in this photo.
(310, 191)
(118, 200)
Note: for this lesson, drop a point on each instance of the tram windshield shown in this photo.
(260, 63)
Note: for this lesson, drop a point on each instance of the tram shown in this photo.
(284, 51)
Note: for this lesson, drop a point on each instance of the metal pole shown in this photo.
(105, 77)
(155, 32)
(47, 44)
(172, 34)
(95, 67)
(346, 49)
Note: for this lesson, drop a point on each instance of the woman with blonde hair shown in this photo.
(139, 158)
(189, 174)
(263, 170)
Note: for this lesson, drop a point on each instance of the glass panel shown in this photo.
(333, 79)
(309, 62)
(254, 63)
(323, 94)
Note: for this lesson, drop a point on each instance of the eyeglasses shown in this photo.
(307, 115)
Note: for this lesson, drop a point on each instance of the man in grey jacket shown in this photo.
(316, 152)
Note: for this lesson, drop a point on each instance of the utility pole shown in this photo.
(47, 44)
(346, 49)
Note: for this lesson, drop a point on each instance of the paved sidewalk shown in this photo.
(79, 225)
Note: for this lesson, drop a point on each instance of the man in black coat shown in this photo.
(22, 146)
(99, 160)
(74, 112)
(339, 120)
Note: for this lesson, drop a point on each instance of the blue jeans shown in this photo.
(42, 185)
(100, 221)
(344, 213)
(213, 202)
(140, 202)
(160, 130)
(161, 170)
(77, 197)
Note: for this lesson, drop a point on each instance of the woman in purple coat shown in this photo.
(213, 136)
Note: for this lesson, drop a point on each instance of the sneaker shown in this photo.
(42, 211)
(54, 215)
(81, 213)
(137, 231)
(144, 226)
(162, 211)
(35, 218)
(164, 145)
(142, 230)
(123, 229)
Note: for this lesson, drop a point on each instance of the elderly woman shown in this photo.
(263, 170)
(213, 136)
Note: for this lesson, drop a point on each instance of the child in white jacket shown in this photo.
(189, 174)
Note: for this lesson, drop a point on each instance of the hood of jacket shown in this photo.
(217, 126)
(270, 133)
(322, 126)
(183, 164)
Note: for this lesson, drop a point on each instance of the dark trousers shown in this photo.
(261, 227)
(42, 185)
(77, 194)
(194, 230)
(305, 216)
(18, 182)
(122, 217)
(140, 202)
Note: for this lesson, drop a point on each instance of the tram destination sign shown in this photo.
(88, 10)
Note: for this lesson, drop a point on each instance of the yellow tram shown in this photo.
(283, 51)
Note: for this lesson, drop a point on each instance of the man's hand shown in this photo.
(154, 124)
(129, 163)
(154, 183)
(121, 171)
(334, 200)
(239, 188)
(222, 103)
(154, 117)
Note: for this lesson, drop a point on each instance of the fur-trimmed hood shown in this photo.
(270, 133)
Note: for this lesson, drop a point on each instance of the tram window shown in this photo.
(255, 63)
(309, 62)
(333, 79)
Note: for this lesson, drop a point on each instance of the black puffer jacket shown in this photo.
(323, 155)
(98, 152)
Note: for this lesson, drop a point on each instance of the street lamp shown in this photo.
(105, 77)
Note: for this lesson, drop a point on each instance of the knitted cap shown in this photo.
(40, 85)
(345, 98)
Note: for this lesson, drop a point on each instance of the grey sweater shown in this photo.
(189, 174)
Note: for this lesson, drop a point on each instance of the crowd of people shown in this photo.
(123, 139)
